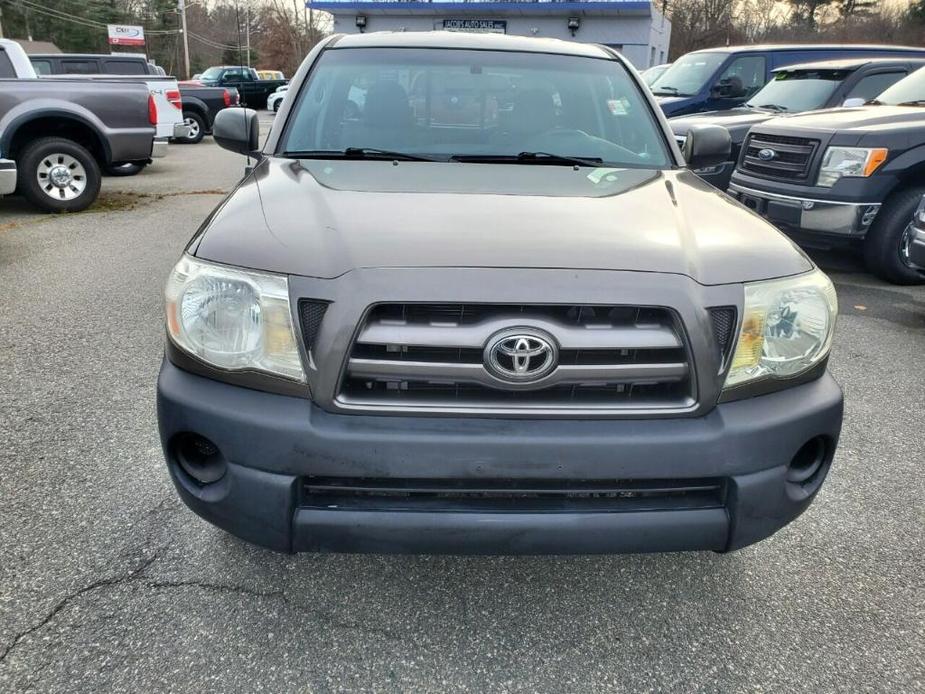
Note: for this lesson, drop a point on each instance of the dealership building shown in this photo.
(636, 28)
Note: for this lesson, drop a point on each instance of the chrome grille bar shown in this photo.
(476, 373)
(433, 356)
(793, 156)
(477, 334)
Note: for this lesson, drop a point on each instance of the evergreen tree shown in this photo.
(856, 8)
(804, 11)
(917, 11)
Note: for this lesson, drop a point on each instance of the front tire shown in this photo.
(197, 128)
(58, 175)
(885, 248)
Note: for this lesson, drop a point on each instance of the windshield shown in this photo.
(909, 90)
(213, 73)
(688, 74)
(653, 73)
(798, 90)
(441, 104)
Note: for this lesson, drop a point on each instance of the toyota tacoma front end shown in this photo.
(470, 301)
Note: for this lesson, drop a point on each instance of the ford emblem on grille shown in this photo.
(521, 355)
(766, 154)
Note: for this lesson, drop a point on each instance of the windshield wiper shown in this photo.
(527, 158)
(357, 153)
(914, 102)
(667, 91)
(774, 107)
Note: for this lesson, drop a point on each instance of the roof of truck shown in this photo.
(850, 63)
(466, 40)
(771, 47)
(120, 56)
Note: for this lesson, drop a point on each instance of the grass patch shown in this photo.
(117, 201)
(121, 201)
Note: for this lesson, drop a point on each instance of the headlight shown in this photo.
(232, 319)
(787, 328)
(849, 161)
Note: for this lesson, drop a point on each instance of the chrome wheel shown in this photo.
(193, 127)
(62, 177)
(905, 247)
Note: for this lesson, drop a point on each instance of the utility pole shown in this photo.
(181, 5)
(1, 22)
(247, 29)
(237, 24)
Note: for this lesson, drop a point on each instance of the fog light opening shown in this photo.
(809, 462)
(200, 458)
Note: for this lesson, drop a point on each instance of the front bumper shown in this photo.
(159, 148)
(7, 176)
(275, 445)
(844, 219)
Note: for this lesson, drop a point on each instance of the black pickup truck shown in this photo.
(844, 176)
(200, 103)
(252, 90)
(795, 89)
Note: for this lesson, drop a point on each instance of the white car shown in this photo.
(276, 98)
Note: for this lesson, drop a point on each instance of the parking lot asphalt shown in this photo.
(108, 583)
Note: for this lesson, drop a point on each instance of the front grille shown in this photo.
(516, 496)
(432, 356)
(793, 156)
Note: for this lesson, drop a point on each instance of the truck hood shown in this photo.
(861, 119)
(673, 104)
(323, 218)
(737, 121)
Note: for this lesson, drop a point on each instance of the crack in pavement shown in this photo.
(67, 599)
(136, 576)
(280, 595)
(129, 575)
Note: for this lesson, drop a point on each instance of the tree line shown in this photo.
(706, 23)
(281, 31)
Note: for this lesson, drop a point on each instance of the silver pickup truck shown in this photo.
(56, 136)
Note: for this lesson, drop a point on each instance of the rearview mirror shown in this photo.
(853, 102)
(706, 146)
(238, 130)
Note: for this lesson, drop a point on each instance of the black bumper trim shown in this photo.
(509, 533)
(274, 443)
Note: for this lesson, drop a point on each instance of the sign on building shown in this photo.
(476, 26)
(124, 35)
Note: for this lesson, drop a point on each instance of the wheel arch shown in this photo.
(912, 176)
(54, 123)
(198, 106)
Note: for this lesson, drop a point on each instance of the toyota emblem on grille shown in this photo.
(766, 154)
(521, 355)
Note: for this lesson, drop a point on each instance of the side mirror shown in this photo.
(238, 130)
(853, 102)
(706, 146)
(728, 88)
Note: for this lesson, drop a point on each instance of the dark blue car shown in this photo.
(722, 78)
